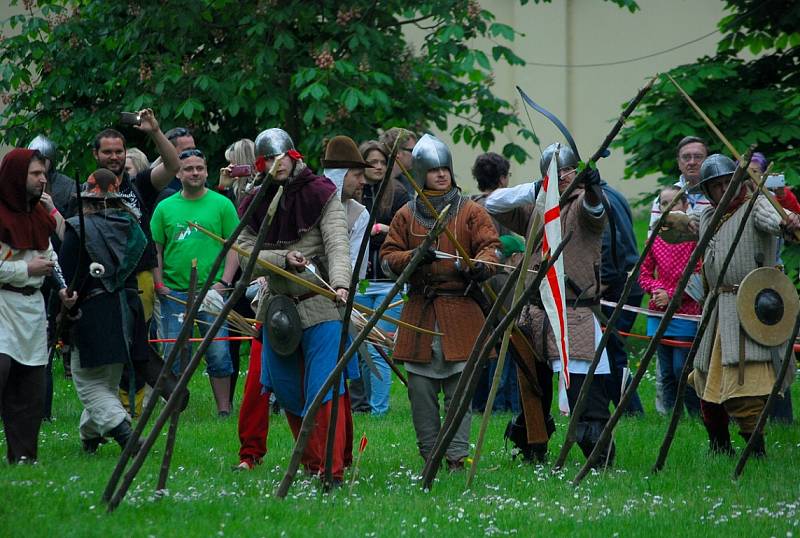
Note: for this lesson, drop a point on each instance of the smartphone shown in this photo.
(241, 170)
(130, 118)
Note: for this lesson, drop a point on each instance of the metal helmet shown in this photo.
(430, 153)
(46, 147)
(273, 142)
(715, 166)
(566, 157)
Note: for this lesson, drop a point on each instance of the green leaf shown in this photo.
(483, 61)
(350, 99)
(502, 30)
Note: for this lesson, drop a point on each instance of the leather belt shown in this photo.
(725, 288)
(26, 290)
(301, 298)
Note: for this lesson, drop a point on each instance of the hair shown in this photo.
(396, 135)
(176, 133)
(241, 152)
(38, 156)
(138, 159)
(365, 148)
(108, 133)
(690, 140)
(760, 159)
(673, 188)
(488, 169)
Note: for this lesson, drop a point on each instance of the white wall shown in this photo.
(589, 99)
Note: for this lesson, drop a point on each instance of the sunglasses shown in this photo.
(179, 132)
(194, 152)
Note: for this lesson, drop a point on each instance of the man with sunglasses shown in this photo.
(182, 139)
(177, 245)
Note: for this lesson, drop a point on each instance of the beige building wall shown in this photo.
(588, 99)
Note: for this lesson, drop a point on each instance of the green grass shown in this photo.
(694, 495)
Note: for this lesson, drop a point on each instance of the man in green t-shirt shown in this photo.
(177, 245)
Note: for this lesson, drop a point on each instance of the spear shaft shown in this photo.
(711, 303)
(362, 248)
(177, 396)
(705, 238)
(185, 333)
(762, 419)
(580, 403)
(309, 420)
(479, 355)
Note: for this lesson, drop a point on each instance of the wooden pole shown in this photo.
(711, 303)
(309, 420)
(177, 394)
(762, 419)
(480, 353)
(705, 238)
(580, 403)
(332, 421)
(185, 333)
(185, 358)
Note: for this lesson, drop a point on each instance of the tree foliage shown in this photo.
(228, 69)
(753, 100)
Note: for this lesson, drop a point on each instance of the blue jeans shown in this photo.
(218, 360)
(670, 362)
(379, 388)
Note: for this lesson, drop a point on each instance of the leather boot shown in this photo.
(221, 387)
(719, 441)
(122, 433)
(759, 447)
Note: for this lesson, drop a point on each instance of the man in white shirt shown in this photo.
(26, 259)
(692, 151)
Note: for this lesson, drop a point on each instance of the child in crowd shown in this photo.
(659, 277)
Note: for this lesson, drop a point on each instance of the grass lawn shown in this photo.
(60, 496)
(693, 496)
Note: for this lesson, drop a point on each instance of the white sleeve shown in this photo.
(655, 214)
(356, 235)
(504, 200)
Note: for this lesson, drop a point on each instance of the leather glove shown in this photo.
(428, 255)
(591, 177)
(478, 273)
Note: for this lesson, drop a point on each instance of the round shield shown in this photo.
(282, 321)
(767, 304)
(675, 229)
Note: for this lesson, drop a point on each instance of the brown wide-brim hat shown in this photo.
(342, 152)
(767, 304)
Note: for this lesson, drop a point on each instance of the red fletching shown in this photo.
(363, 443)
(261, 164)
(294, 154)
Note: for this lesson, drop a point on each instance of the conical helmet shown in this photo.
(46, 147)
(430, 153)
(566, 158)
(715, 166)
(272, 142)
